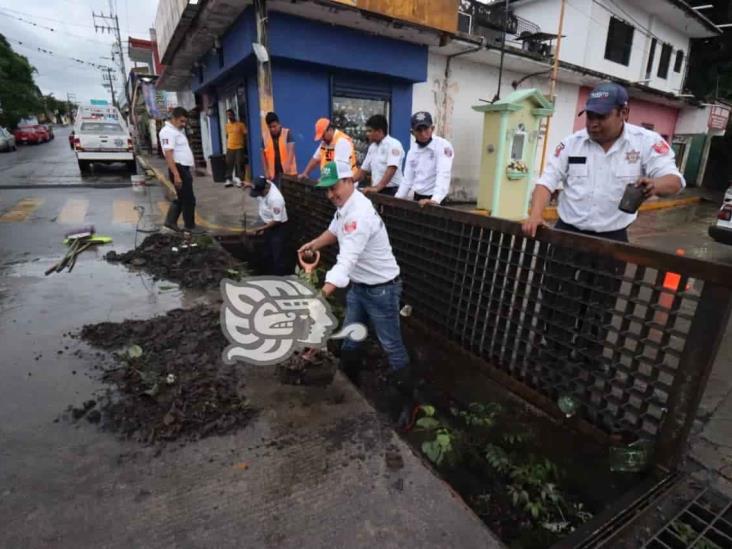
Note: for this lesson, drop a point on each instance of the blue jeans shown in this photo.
(378, 308)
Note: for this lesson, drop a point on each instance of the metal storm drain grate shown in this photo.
(704, 523)
(620, 336)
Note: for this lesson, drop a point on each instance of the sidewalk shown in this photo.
(221, 210)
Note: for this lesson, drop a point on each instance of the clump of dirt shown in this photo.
(317, 369)
(193, 263)
(169, 381)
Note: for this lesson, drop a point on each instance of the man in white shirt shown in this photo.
(595, 165)
(383, 160)
(366, 263)
(273, 213)
(428, 168)
(179, 158)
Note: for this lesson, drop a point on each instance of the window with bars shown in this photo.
(679, 61)
(665, 60)
(619, 41)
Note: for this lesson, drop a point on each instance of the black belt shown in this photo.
(620, 235)
(395, 280)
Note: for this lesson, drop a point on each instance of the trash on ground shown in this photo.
(169, 381)
(200, 263)
(313, 368)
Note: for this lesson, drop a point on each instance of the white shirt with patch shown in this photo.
(364, 254)
(272, 206)
(380, 156)
(428, 170)
(594, 181)
(171, 138)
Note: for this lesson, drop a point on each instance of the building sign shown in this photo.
(436, 14)
(718, 117)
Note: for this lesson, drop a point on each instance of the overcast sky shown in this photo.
(74, 36)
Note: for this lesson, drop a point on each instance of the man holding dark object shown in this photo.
(597, 166)
(179, 158)
(274, 214)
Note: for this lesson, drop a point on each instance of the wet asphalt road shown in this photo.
(49, 468)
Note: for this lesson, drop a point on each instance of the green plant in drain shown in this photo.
(531, 483)
(313, 280)
(688, 535)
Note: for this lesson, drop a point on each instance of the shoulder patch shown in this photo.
(395, 151)
(558, 150)
(661, 147)
(276, 210)
(448, 152)
(350, 227)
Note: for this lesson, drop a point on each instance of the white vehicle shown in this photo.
(722, 231)
(101, 135)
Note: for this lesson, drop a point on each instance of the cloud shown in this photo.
(74, 37)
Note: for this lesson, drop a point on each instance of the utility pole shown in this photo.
(264, 67)
(110, 23)
(109, 77)
(70, 103)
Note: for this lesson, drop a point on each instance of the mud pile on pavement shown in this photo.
(198, 263)
(317, 370)
(169, 381)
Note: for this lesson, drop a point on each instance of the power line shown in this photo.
(40, 26)
(30, 15)
(50, 52)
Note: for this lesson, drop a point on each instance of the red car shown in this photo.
(44, 134)
(28, 134)
(47, 128)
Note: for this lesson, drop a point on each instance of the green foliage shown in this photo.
(19, 95)
(688, 535)
(438, 449)
(313, 280)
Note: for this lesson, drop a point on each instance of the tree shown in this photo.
(19, 95)
(55, 107)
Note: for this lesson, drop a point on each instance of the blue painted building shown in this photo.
(318, 69)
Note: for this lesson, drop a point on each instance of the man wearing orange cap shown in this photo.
(334, 145)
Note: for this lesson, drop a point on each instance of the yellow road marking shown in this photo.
(123, 211)
(74, 211)
(21, 210)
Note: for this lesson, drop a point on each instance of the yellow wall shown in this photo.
(437, 14)
(488, 160)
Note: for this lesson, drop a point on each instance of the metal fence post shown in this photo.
(705, 335)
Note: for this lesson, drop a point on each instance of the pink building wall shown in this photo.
(642, 112)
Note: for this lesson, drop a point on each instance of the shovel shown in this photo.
(309, 268)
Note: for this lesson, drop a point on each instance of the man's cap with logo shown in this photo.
(333, 172)
(258, 186)
(320, 126)
(421, 118)
(605, 97)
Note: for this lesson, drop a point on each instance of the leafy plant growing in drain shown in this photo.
(474, 437)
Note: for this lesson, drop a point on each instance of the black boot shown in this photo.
(350, 364)
(171, 219)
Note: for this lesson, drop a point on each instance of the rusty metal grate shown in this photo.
(704, 523)
(562, 315)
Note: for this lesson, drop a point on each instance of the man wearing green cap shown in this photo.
(366, 262)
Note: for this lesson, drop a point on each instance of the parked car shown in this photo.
(48, 129)
(101, 135)
(43, 135)
(7, 140)
(27, 134)
(722, 230)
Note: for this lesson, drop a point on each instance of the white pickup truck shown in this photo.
(722, 230)
(101, 135)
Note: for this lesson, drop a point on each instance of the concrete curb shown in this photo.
(170, 188)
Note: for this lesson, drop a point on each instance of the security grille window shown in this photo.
(679, 61)
(350, 115)
(619, 41)
(663, 64)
